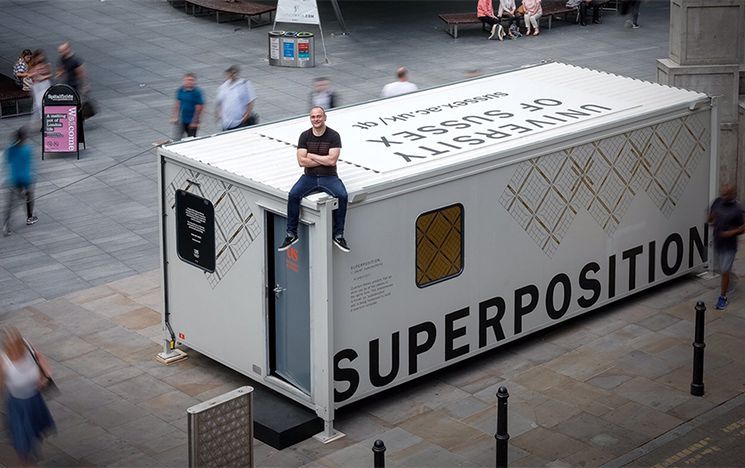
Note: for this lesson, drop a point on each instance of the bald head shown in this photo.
(728, 191)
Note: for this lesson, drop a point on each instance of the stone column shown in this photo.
(707, 49)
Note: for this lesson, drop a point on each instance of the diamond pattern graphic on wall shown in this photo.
(235, 224)
(603, 177)
(439, 245)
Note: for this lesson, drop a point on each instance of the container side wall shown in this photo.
(220, 314)
(542, 240)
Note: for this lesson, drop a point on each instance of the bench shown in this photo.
(553, 9)
(11, 97)
(453, 20)
(253, 12)
(550, 9)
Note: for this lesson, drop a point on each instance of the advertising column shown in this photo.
(61, 123)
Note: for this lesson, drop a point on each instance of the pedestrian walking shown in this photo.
(187, 110)
(234, 105)
(41, 80)
(632, 6)
(584, 5)
(726, 215)
(71, 70)
(23, 373)
(322, 95)
(318, 149)
(401, 86)
(20, 179)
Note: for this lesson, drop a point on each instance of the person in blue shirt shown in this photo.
(188, 107)
(18, 157)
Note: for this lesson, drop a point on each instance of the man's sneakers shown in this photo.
(493, 31)
(31, 220)
(290, 240)
(340, 242)
(721, 303)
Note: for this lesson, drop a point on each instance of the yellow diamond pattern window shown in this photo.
(439, 245)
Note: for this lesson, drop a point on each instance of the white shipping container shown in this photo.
(479, 212)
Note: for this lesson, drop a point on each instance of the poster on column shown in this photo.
(297, 11)
(60, 120)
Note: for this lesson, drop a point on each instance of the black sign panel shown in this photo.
(195, 230)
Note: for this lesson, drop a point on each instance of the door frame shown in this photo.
(271, 299)
(270, 218)
(318, 219)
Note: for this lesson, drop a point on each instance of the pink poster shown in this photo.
(60, 129)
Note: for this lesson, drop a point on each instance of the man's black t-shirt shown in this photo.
(70, 65)
(320, 145)
(728, 215)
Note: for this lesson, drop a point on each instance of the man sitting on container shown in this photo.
(318, 150)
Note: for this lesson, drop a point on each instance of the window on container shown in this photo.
(439, 245)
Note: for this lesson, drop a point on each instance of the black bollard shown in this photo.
(501, 435)
(378, 454)
(697, 384)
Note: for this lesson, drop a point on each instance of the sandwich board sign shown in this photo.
(60, 121)
(303, 12)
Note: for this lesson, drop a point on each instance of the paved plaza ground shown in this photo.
(83, 285)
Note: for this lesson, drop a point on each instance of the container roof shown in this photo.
(397, 138)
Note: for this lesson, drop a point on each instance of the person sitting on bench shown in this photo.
(485, 13)
(533, 13)
(508, 11)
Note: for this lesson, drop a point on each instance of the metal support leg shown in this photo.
(339, 17)
(329, 434)
(170, 355)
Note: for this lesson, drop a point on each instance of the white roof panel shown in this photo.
(394, 138)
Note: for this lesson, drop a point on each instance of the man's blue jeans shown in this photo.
(308, 184)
